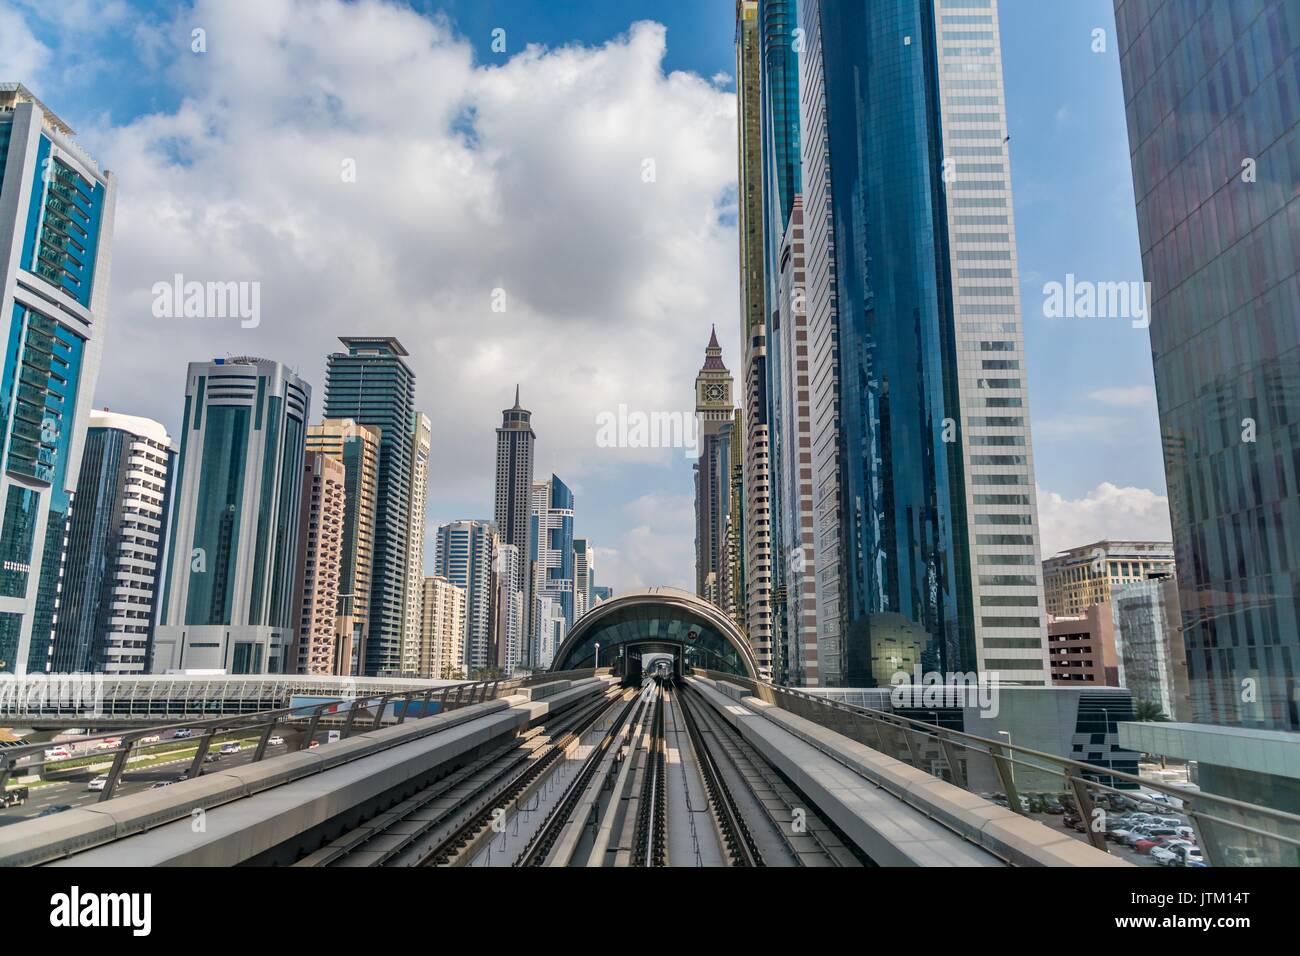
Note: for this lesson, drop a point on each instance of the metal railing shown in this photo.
(1092, 800)
(304, 723)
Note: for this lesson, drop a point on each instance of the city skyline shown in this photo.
(636, 501)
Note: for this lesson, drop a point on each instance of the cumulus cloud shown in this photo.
(1106, 511)
(658, 548)
(23, 58)
(1130, 396)
(583, 187)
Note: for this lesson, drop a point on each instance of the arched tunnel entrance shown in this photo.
(627, 632)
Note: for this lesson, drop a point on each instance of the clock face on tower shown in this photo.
(715, 393)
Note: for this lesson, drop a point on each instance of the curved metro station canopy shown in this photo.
(658, 619)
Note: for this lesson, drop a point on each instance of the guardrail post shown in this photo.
(260, 752)
(1006, 773)
(950, 755)
(1087, 810)
(424, 703)
(311, 727)
(119, 763)
(1206, 838)
(201, 751)
(379, 711)
(406, 705)
(352, 715)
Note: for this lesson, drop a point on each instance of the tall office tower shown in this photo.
(228, 602)
(1149, 644)
(514, 488)
(108, 603)
(779, 126)
(1212, 106)
(754, 585)
(601, 592)
(924, 487)
(442, 630)
(552, 558)
(1078, 578)
(794, 478)
(320, 553)
(734, 586)
(421, 444)
(372, 385)
(56, 229)
(550, 627)
(508, 610)
(465, 555)
(584, 576)
(715, 413)
(357, 446)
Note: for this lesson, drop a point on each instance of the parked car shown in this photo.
(1053, 806)
(14, 797)
(1144, 833)
(1167, 853)
(99, 783)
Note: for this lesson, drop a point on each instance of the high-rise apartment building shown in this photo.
(357, 447)
(56, 230)
(228, 602)
(715, 413)
(1081, 648)
(924, 495)
(371, 384)
(793, 482)
(465, 554)
(755, 547)
(584, 576)
(320, 553)
(552, 557)
(1212, 105)
(1076, 579)
(508, 608)
(109, 601)
(513, 503)
(1149, 644)
(421, 445)
(442, 630)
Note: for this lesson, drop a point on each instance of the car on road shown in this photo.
(153, 739)
(230, 747)
(58, 753)
(211, 758)
(53, 809)
(14, 797)
(182, 733)
(99, 783)
(159, 784)
(276, 740)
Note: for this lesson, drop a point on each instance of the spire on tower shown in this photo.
(713, 353)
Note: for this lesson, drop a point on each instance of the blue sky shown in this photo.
(148, 108)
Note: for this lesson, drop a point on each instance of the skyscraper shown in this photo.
(779, 129)
(109, 601)
(923, 470)
(56, 229)
(466, 555)
(372, 385)
(514, 484)
(1212, 104)
(552, 557)
(715, 413)
(584, 575)
(229, 601)
(755, 547)
(508, 608)
(421, 443)
(320, 552)
(357, 447)
(442, 637)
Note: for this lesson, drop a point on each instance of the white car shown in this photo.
(99, 783)
(150, 740)
(1167, 853)
(276, 740)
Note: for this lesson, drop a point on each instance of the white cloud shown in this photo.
(527, 177)
(23, 58)
(657, 550)
(1131, 396)
(1107, 511)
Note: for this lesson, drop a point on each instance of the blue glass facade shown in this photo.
(902, 496)
(1212, 92)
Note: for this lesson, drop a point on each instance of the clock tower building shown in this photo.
(715, 415)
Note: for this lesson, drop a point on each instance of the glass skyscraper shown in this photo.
(228, 600)
(924, 496)
(371, 384)
(1212, 92)
(56, 225)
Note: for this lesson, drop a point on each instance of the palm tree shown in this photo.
(1144, 710)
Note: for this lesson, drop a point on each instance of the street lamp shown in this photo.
(598, 655)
